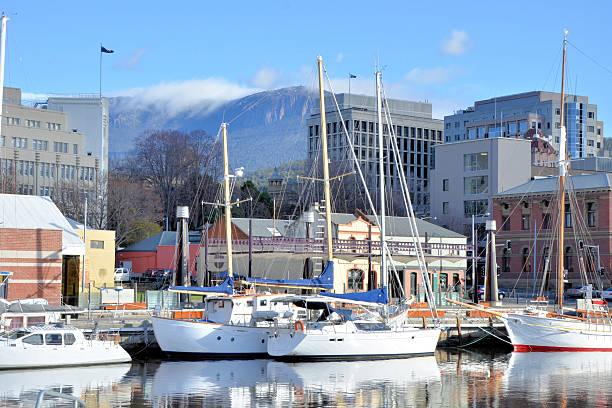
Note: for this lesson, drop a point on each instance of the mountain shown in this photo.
(266, 128)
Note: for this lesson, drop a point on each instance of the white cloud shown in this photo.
(457, 44)
(133, 60)
(435, 75)
(265, 78)
(176, 97)
(340, 57)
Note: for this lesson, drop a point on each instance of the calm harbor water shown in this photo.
(449, 379)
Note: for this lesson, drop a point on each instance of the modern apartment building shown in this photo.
(528, 114)
(416, 132)
(39, 153)
(87, 115)
(468, 173)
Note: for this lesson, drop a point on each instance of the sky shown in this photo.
(446, 52)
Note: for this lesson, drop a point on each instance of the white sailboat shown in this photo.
(233, 324)
(341, 337)
(537, 330)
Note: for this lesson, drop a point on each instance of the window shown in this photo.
(476, 161)
(591, 115)
(591, 220)
(591, 129)
(53, 339)
(505, 260)
(475, 207)
(546, 221)
(567, 259)
(568, 216)
(558, 111)
(505, 223)
(525, 222)
(526, 264)
(476, 185)
(355, 280)
(69, 339)
(34, 339)
(444, 184)
(445, 207)
(75, 149)
(96, 244)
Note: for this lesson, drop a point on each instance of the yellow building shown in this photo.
(99, 256)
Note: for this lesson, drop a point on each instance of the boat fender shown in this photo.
(299, 325)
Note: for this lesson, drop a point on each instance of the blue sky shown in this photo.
(450, 53)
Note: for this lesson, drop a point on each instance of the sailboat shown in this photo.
(233, 323)
(535, 330)
(341, 333)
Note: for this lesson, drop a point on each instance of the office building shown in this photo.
(39, 153)
(530, 114)
(416, 132)
(467, 173)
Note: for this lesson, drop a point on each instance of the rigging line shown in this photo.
(553, 66)
(593, 60)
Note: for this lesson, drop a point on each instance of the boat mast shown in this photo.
(383, 261)
(562, 153)
(328, 229)
(227, 204)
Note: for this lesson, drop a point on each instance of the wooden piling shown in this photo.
(424, 322)
(459, 334)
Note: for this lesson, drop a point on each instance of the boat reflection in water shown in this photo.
(249, 382)
(569, 378)
(21, 387)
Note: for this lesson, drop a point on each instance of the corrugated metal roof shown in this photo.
(262, 227)
(164, 238)
(400, 227)
(36, 212)
(549, 184)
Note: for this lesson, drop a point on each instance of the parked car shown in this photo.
(577, 292)
(500, 292)
(122, 275)
(606, 294)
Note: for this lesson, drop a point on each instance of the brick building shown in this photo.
(532, 207)
(41, 250)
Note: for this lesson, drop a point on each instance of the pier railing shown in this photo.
(340, 246)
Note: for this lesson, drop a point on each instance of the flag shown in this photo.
(102, 49)
(351, 76)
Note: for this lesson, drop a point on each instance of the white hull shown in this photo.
(343, 341)
(197, 337)
(88, 352)
(538, 333)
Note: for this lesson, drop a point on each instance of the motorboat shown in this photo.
(55, 346)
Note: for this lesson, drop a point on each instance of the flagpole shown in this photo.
(101, 72)
(350, 75)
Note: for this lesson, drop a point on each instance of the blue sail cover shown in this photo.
(323, 281)
(373, 296)
(225, 287)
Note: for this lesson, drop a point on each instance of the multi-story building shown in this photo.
(538, 111)
(39, 153)
(416, 132)
(87, 115)
(467, 173)
(530, 211)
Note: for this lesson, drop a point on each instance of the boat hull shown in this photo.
(89, 352)
(334, 344)
(189, 337)
(537, 333)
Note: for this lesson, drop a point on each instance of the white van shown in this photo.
(122, 275)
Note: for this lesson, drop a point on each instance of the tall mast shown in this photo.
(227, 203)
(562, 146)
(381, 150)
(328, 229)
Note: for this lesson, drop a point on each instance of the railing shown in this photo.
(340, 246)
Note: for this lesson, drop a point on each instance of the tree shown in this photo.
(180, 167)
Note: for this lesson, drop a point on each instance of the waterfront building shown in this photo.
(528, 210)
(516, 115)
(87, 115)
(466, 175)
(417, 131)
(40, 154)
(41, 250)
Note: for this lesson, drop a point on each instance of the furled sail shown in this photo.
(323, 281)
(374, 296)
(226, 287)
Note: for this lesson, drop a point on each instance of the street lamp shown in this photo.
(474, 256)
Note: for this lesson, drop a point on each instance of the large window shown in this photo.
(475, 207)
(568, 216)
(525, 222)
(591, 220)
(445, 207)
(476, 185)
(476, 161)
(355, 280)
(444, 184)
